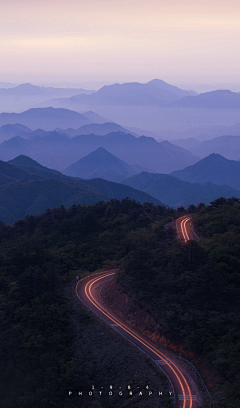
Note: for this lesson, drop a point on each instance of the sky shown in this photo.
(93, 42)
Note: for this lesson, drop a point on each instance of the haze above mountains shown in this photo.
(156, 106)
(188, 153)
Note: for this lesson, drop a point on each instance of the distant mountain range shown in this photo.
(101, 164)
(175, 192)
(26, 187)
(46, 118)
(20, 146)
(33, 90)
(94, 117)
(199, 131)
(25, 96)
(99, 129)
(29, 188)
(9, 131)
(155, 92)
(190, 143)
(149, 106)
(7, 85)
(214, 99)
(227, 146)
(36, 119)
(56, 150)
(214, 168)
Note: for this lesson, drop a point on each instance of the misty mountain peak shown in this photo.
(27, 85)
(23, 160)
(214, 168)
(101, 164)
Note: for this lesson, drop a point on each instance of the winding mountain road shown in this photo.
(88, 290)
(185, 229)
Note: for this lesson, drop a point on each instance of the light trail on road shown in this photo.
(87, 291)
(184, 228)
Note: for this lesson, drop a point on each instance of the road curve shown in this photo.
(185, 229)
(185, 392)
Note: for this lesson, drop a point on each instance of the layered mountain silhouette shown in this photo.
(201, 131)
(7, 85)
(100, 129)
(9, 131)
(227, 146)
(28, 162)
(57, 151)
(28, 89)
(101, 164)
(94, 117)
(45, 118)
(155, 92)
(189, 143)
(25, 96)
(175, 192)
(27, 188)
(20, 146)
(214, 168)
(214, 99)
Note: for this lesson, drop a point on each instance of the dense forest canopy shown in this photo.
(192, 289)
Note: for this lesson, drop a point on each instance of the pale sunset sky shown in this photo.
(80, 41)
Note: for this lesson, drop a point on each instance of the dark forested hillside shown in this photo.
(27, 188)
(191, 289)
(175, 192)
(39, 256)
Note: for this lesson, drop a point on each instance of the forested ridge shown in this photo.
(192, 289)
(39, 256)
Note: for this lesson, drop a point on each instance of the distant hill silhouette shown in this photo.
(100, 164)
(37, 171)
(33, 197)
(227, 146)
(9, 131)
(29, 188)
(175, 192)
(19, 146)
(45, 118)
(33, 90)
(155, 92)
(25, 161)
(120, 191)
(7, 85)
(25, 96)
(189, 143)
(202, 131)
(94, 117)
(56, 150)
(100, 129)
(14, 172)
(214, 99)
(214, 168)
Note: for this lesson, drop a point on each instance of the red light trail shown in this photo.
(88, 291)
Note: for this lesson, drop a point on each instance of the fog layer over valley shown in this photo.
(187, 153)
(155, 106)
(58, 150)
